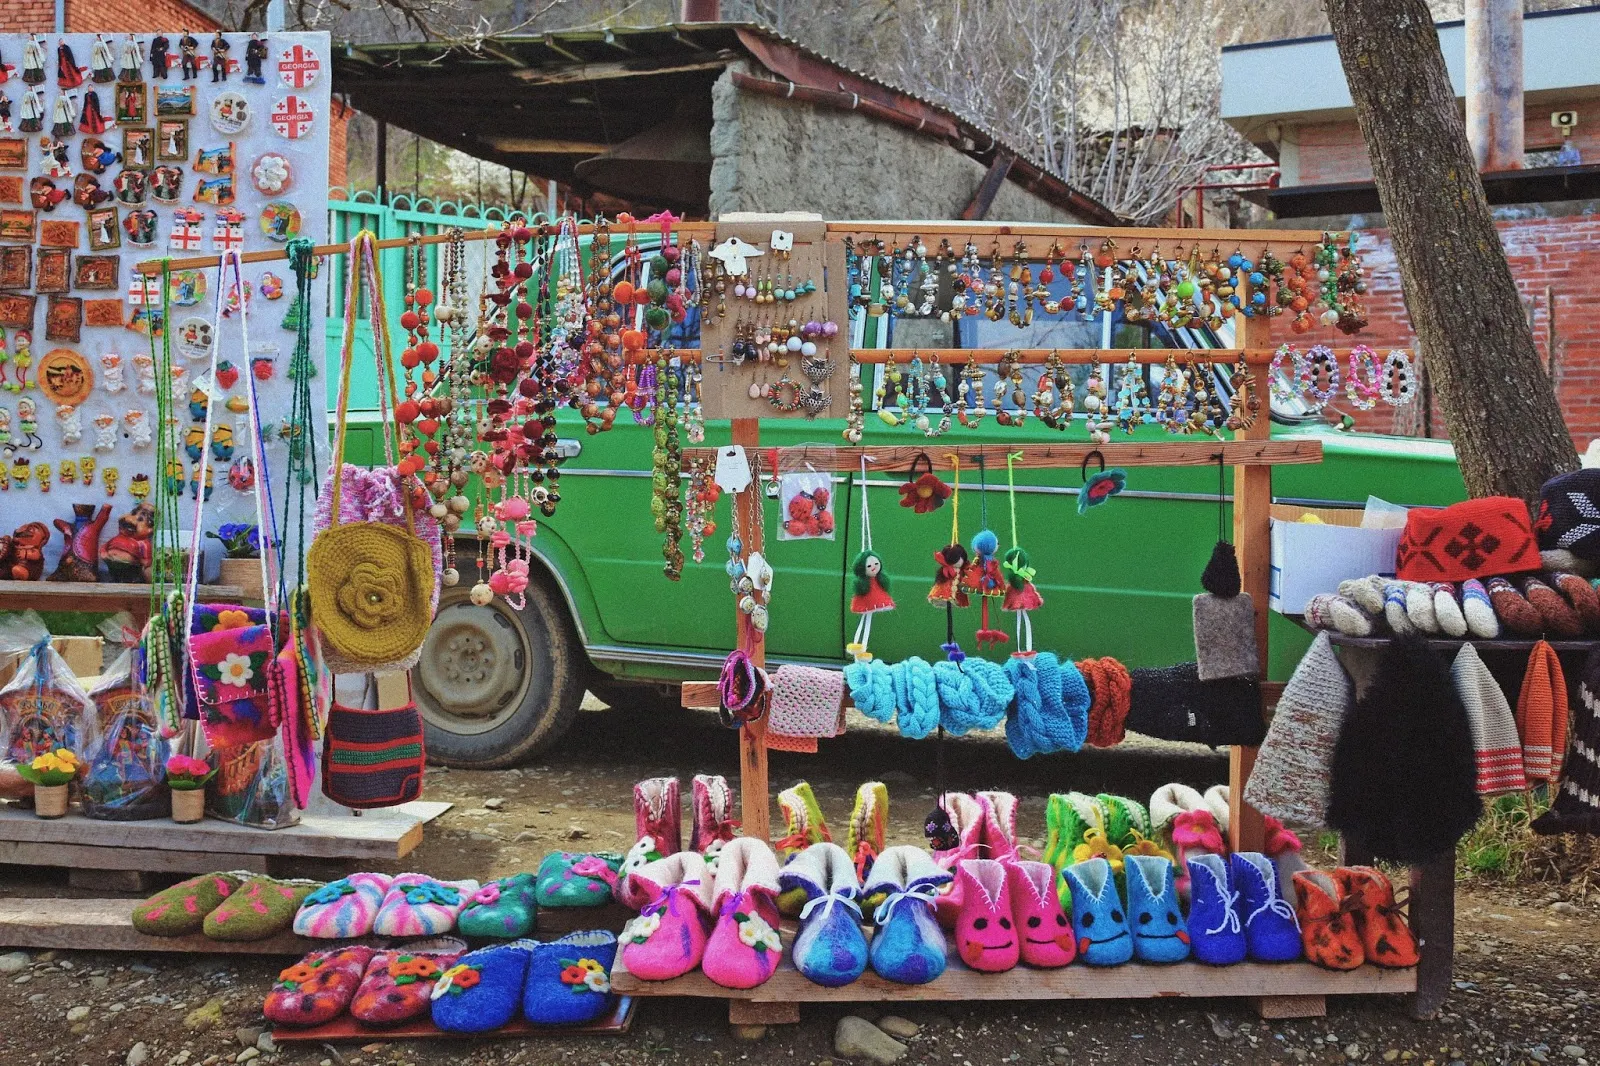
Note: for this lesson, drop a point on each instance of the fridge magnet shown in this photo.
(166, 184)
(193, 337)
(45, 195)
(93, 121)
(55, 270)
(188, 230)
(255, 54)
(186, 288)
(175, 100)
(96, 272)
(10, 188)
(130, 62)
(13, 153)
(138, 148)
(30, 118)
(63, 319)
(96, 155)
(140, 228)
(214, 160)
(292, 117)
(131, 105)
(271, 286)
(16, 267)
(105, 229)
(102, 313)
(280, 220)
(215, 190)
(87, 193)
(17, 224)
(230, 112)
(58, 233)
(172, 140)
(16, 310)
(64, 376)
(130, 187)
(272, 174)
(229, 231)
(298, 67)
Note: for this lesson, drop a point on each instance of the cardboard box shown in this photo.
(1312, 557)
(83, 654)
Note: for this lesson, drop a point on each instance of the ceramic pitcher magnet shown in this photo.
(292, 117)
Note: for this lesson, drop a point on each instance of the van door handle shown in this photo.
(568, 448)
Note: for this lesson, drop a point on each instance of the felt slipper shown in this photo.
(1327, 927)
(1271, 928)
(398, 984)
(745, 947)
(829, 948)
(1045, 935)
(1217, 802)
(569, 980)
(575, 879)
(1447, 609)
(1098, 917)
(1168, 802)
(999, 834)
(1512, 608)
(985, 934)
(966, 814)
(804, 826)
(182, 909)
(713, 821)
(1154, 914)
(869, 822)
(418, 905)
(318, 988)
(1216, 924)
(483, 989)
(668, 938)
(1583, 598)
(261, 907)
(504, 909)
(1560, 620)
(657, 821)
(1125, 820)
(342, 909)
(908, 946)
(1478, 610)
(1386, 936)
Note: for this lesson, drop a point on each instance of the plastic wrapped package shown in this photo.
(125, 769)
(252, 785)
(43, 707)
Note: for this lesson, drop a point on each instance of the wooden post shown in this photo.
(1252, 511)
(754, 800)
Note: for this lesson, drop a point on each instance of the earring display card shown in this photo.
(726, 387)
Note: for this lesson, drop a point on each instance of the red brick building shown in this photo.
(148, 16)
(1290, 99)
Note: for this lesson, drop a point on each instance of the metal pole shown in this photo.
(274, 16)
(381, 178)
(61, 16)
(1494, 83)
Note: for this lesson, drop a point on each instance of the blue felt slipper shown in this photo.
(481, 991)
(1271, 928)
(1216, 928)
(1097, 915)
(569, 980)
(909, 946)
(830, 949)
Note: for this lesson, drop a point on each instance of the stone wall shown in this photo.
(783, 155)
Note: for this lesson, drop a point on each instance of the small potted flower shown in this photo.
(187, 777)
(51, 773)
(241, 555)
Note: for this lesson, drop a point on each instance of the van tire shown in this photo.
(496, 686)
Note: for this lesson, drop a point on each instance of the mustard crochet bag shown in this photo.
(371, 584)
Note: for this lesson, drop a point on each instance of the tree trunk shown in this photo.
(1498, 403)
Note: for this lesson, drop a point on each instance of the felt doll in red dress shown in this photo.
(1021, 597)
(952, 560)
(983, 578)
(870, 592)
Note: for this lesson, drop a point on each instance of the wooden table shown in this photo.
(97, 597)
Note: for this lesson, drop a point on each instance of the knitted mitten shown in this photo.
(1448, 610)
(569, 980)
(1327, 611)
(1366, 592)
(344, 908)
(262, 906)
(1560, 620)
(398, 985)
(1583, 598)
(1419, 607)
(1513, 610)
(318, 988)
(1394, 608)
(501, 910)
(483, 989)
(1479, 611)
(417, 905)
(182, 909)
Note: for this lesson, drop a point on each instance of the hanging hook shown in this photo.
(1084, 469)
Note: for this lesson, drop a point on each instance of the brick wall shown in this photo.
(1562, 254)
(134, 16)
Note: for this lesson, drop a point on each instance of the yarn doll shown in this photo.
(1020, 595)
(982, 577)
(952, 563)
(870, 588)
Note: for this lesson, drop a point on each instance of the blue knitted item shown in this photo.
(958, 699)
(1051, 710)
(871, 688)
(1025, 729)
(919, 699)
(1075, 701)
(569, 980)
(993, 690)
(488, 1001)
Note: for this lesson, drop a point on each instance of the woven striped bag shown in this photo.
(373, 758)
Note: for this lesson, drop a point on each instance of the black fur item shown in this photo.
(1172, 703)
(1403, 784)
(1221, 575)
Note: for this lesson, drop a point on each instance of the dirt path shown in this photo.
(1528, 979)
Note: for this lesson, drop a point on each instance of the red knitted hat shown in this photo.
(1476, 538)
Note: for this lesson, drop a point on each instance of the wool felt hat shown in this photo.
(1577, 802)
(1172, 703)
(1494, 731)
(1403, 781)
(1290, 779)
(1542, 714)
(1569, 513)
(1474, 538)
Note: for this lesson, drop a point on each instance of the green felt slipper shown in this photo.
(182, 909)
(501, 910)
(575, 879)
(262, 906)
(1123, 818)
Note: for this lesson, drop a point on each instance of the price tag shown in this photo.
(733, 469)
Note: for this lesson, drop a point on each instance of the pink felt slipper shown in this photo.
(744, 947)
(398, 985)
(999, 834)
(318, 988)
(344, 908)
(668, 938)
(1047, 940)
(986, 936)
(417, 905)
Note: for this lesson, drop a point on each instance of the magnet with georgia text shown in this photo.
(298, 66)
(292, 117)
(280, 220)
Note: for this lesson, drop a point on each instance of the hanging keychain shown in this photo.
(982, 574)
(952, 558)
(870, 589)
(1018, 571)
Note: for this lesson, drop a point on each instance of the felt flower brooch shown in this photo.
(409, 969)
(433, 892)
(456, 980)
(230, 618)
(298, 974)
(332, 891)
(640, 929)
(924, 493)
(754, 932)
(585, 975)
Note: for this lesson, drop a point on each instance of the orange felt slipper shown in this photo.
(1327, 928)
(1386, 937)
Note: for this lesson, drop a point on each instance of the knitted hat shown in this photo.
(1494, 732)
(1577, 803)
(1225, 636)
(1290, 779)
(1542, 714)
(1569, 513)
(1172, 703)
(1475, 538)
(1403, 782)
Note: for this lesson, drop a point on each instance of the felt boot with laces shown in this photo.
(908, 946)
(1386, 936)
(1271, 927)
(830, 948)
(1327, 924)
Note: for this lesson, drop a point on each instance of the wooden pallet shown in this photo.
(163, 846)
(107, 925)
(346, 1029)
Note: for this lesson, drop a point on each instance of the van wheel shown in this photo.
(494, 685)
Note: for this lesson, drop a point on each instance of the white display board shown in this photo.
(117, 171)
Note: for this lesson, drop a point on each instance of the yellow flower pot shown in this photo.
(188, 805)
(50, 801)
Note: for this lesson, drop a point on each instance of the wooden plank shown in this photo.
(144, 860)
(102, 596)
(1245, 453)
(986, 356)
(1277, 1007)
(1432, 910)
(388, 833)
(107, 925)
(745, 1012)
(989, 187)
(345, 1029)
(701, 695)
(1125, 237)
(755, 802)
(1131, 981)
